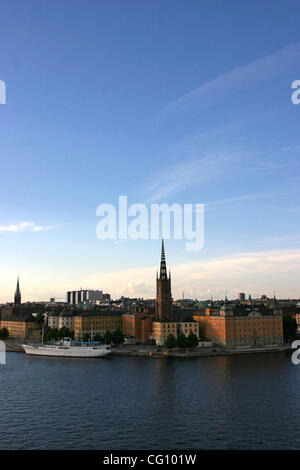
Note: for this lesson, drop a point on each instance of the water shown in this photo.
(240, 402)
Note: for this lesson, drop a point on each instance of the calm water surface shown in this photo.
(241, 402)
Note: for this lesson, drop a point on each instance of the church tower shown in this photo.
(18, 294)
(163, 290)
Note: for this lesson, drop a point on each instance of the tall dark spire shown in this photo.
(163, 267)
(164, 299)
(18, 293)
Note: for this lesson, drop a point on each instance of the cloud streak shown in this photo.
(187, 173)
(247, 197)
(25, 226)
(238, 79)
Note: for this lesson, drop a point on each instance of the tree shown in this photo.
(40, 318)
(182, 341)
(50, 333)
(170, 341)
(192, 340)
(4, 333)
(108, 337)
(117, 336)
(64, 332)
(289, 327)
(98, 337)
(86, 337)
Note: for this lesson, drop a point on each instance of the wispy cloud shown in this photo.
(248, 197)
(240, 78)
(25, 226)
(41, 228)
(185, 174)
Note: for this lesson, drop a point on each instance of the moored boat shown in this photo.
(68, 348)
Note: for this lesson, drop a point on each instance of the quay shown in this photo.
(153, 351)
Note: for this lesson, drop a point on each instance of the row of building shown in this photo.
(227, 323)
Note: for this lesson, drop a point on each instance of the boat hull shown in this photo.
(65, 352)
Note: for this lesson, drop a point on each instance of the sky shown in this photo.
(164, 102)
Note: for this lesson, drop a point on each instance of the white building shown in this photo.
(66, 319)
(58, 320)
(76, 297)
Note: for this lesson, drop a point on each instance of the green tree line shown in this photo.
(115, 337)
(109, 337)
(181, 341)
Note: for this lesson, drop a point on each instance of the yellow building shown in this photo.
(161, 329)
(96, 323)
(21, 328)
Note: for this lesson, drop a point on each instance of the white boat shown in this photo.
(67, 348)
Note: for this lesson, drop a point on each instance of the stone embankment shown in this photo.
(152, 351)
(147, 351)
(12, 346)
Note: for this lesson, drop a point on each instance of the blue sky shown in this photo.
(162, 101)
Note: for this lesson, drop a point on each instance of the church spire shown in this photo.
(164, 299)
(18, 293)
(163, 266)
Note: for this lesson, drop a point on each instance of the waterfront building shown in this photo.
(166, 322)
(66, 319)
(162, 328)
(21, 328)
(52, 318)
(93, 323)
(235, 325)
(60, 319)
(136, 325)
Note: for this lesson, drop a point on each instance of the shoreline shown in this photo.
(151, 352)
(216, 351)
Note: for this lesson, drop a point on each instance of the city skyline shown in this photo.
(204, 294)
(99, 105)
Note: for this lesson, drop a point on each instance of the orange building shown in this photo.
(136, 325)
(236, 326)
(21, 328)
